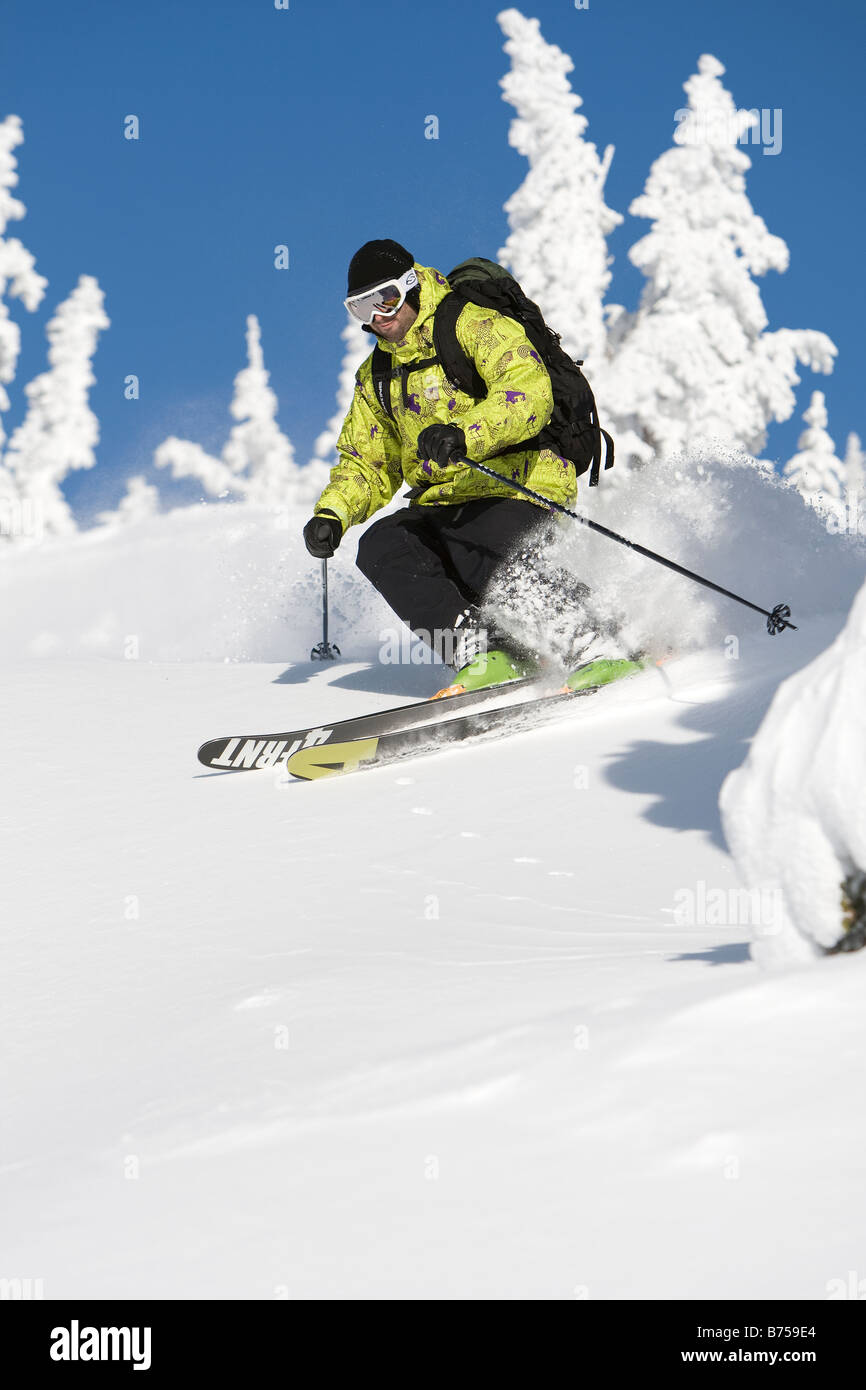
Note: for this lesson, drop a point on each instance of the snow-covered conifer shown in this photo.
(257, 449)
(18, 279)
(559, 221)
(695, 365)
(855, 473)
(257, 461)
(186, 459)
(855, 483)
(358, 345)
(59, 431)
(140, 501)
(815, 470)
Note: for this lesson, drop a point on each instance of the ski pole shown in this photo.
(325, 651)
(777, 620)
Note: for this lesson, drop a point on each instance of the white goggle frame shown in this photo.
(380, 299)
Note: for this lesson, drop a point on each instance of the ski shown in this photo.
(338, 757)
(245, 752)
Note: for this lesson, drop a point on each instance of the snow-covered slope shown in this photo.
(485, 1024)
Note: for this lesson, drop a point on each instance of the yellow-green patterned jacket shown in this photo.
(377, 454)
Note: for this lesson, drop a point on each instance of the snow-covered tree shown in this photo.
(186, 459)
(18, 279)
(559, 221)
(855, 481)
(257, 462)
(358, 345)
(257, 446)
(140, 501)
(59, 431)
(18, 518)
(855, 467)
(695, 365)
(814, 469)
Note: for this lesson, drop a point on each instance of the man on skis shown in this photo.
(436, 561)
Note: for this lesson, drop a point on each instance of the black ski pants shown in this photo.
(430, 563)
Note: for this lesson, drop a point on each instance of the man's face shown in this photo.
(395, 328)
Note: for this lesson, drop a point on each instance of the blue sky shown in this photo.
(305, 127)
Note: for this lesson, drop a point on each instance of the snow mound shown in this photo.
(217, 582)
(795, 812)
(729, 520)
(234, 582)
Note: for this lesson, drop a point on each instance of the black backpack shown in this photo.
(573, 430)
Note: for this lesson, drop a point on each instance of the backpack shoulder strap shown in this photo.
(595, 468)
(457, 365)
(380, 371)
(383, 372)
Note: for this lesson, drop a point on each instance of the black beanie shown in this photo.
(377, 261)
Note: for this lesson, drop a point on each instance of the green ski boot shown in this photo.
(488, 668)
(601, 672)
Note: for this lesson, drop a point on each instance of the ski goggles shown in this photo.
(384, 299)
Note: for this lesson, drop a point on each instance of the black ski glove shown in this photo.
(322, 535)
(441, 443)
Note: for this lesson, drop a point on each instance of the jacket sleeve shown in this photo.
(519, 400)
(369, 470)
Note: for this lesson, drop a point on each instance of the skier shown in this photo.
(463, 534)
